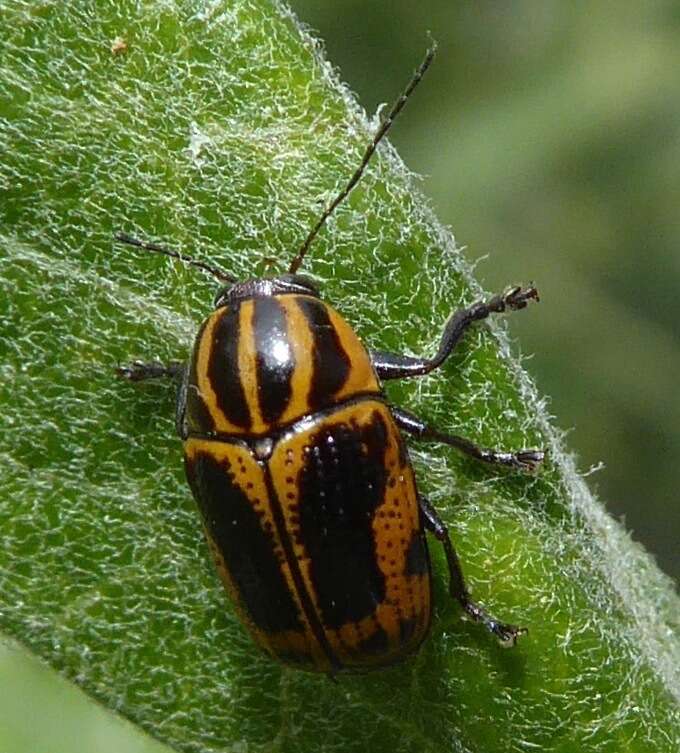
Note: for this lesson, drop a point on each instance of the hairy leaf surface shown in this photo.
(219, 129)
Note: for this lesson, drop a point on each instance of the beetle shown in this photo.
(300, 471)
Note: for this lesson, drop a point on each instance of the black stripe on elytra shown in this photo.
(294, 565)
(341, 484)
(331, 363)
(223, 370)
(248, 549)
(275, 361)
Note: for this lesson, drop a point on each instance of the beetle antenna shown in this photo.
(370, 149)
(131, 241)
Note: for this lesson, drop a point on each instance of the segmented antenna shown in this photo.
(377, 138)
(223, 276)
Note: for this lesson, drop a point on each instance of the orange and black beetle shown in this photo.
(299, 469)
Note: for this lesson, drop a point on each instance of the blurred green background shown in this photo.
(550, 135)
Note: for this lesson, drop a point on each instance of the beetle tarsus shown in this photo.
(138, 371)
(529, 460)
(507, 635)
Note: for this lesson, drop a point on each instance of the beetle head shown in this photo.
(263, 287)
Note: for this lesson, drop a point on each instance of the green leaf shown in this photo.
(44, 712)
(221, 131)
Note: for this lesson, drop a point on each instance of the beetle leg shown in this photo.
(395, 366)
(525, 460)
(139, 370)
(181, 404)
(507, 634)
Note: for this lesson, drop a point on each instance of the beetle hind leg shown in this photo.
(506, 634)
(526, 460)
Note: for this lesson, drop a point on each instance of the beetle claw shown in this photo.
(518, 297)
(529, 460)
(508, 635)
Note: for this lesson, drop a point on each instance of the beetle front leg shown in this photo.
(523, 460)
(138, 371)
(394, 366)
(507, 634)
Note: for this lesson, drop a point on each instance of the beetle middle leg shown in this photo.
(523, 460)
(507, 634)
(395, 366)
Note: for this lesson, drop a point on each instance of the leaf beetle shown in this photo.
(300, 471)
